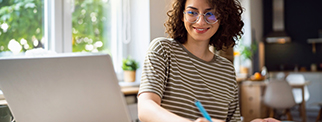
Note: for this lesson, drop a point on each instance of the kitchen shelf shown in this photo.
(316, 40)
(313, 42)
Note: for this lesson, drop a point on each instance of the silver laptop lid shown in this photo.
(63, 88)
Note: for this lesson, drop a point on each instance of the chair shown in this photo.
(298, 78)
(280, 76)
(319, 117)
(278, 96)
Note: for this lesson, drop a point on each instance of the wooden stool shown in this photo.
(320, 112)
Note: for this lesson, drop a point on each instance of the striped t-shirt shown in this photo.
(180, 78)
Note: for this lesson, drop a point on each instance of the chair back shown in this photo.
(298, 78)
(278, 94)
(280, 76)
(295, 78)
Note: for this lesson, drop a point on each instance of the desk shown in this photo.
(252, 105)
(3, 102)
(130, 90)
(126, 91)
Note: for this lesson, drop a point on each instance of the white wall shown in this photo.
(147, 23)
(258, 27)
(256, 10)
(253, 20)
(246, 17)
(158, 16)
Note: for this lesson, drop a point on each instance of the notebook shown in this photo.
(63, 88)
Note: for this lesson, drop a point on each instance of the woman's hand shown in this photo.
(266, 120)
(205, 120)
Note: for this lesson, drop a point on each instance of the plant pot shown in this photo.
(244, 70)
(129, 76)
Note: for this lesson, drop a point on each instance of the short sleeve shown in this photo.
(154, 76)
(233, 110)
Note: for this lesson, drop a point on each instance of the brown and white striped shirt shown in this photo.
(180, 78)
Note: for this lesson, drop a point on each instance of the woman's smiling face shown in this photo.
(200, 30)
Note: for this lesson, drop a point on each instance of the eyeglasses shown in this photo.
(194, 16)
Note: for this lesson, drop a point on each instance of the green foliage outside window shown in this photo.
(20, 19)
(24, 19)
(248, 51)
(90, 25)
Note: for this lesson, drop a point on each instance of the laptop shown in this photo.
(63, 88)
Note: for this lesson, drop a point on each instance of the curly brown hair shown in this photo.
(230, 22)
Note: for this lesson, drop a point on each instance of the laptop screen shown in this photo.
(62, 87)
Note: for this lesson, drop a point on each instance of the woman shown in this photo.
(181, 69)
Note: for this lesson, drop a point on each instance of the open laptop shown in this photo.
(63, 88)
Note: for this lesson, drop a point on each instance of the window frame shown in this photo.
(58, 29)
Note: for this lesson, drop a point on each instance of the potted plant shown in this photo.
(247, 53)
(129, 67)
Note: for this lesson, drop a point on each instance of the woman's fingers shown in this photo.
(201, 119)
(266, 120)
(271, 120)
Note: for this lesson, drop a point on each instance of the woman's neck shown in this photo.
(199, 49)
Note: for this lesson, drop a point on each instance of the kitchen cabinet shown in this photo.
(252, 104)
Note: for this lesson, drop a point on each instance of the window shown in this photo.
(62, 26)
(91, 26)
(21, 26)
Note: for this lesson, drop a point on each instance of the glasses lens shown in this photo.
(210, 17)
(192, 16)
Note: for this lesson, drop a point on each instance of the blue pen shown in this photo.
(202, 110)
